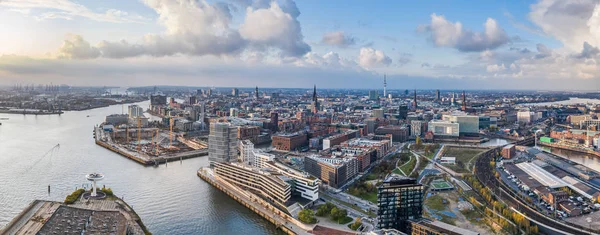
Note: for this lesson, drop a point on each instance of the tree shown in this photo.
(322, 210)
(338, 214)
(357, 223)
(418, 142)
(307, 216)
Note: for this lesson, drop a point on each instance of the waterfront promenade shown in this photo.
(279, 218)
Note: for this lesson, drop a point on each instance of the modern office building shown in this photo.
(261, 158)
(235, 92)
(246, 152)
(303, 184)
(280, 185)
(222, 142)
(525, 117)
(399, 133)
(400, 199)
(135, 111)
(332, 171)
(468, 125)
(263, 182)
(373, 95)
(274, 121)
(486, 122)
(444, 128)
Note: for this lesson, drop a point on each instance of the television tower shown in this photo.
(384, 87)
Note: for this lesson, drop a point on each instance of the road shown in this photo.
(484, 173)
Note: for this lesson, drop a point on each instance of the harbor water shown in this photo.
(170, 199)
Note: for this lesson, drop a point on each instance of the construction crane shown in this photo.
(139, 123)
(156, 143)
(171, 132)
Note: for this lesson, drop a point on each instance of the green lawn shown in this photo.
(397, 171)
(435, 203)
(371, 176)
(369, 196)
(408, 167)
(463, 157)
(345, 220)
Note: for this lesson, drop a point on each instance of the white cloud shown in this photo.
(571, 22)
(369, 58)
(200, 28)
(338, 38)
(495, 68)
(447, 34)
(273, 27)
(65, 9)
(77, 48)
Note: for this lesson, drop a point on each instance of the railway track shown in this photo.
(485, 174)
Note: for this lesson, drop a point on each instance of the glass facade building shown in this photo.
(400, 199)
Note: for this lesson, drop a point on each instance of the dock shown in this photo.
(283, 221)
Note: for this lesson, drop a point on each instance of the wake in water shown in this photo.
(50, 152)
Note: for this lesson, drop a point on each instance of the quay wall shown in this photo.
(597, 154)
(241, 201)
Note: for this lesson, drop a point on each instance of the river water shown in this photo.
(170, 199)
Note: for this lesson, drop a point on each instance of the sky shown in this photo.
(427, 44)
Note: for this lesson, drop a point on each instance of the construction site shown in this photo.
(149, 146)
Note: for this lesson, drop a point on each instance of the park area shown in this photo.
(464, 157)
(451, 208)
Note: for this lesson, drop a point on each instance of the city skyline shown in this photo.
(541, 45)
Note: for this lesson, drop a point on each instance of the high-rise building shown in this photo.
(373, 95)
(222, 142)
(399, 199)
(437, 95)
(235, 92)
(274, 121)
(256, 93)
(192, 100)
(402, 112)
(135, 111)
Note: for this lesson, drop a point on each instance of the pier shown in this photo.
(283, 221)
